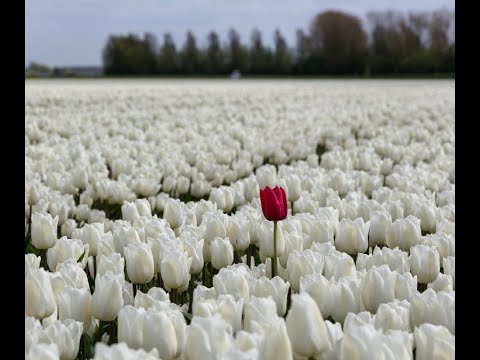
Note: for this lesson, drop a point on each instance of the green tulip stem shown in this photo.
(249, 256)
(94, 267)
(274, 260)
(43, 259)
(204, 275)
(159, 280)
(190, 293)
(292, 208)
(173, 296)
(134, 290)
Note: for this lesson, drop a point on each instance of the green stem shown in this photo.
(249, 256)
(190, 293)
(274, 260)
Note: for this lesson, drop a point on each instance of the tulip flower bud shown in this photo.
(238, 233)
(107, 299)
(379, 222)
(259, 312)
(39, 298)
(43, 230)
(75, 304)
(32, 262)
(352, 236)
(274, 203)
(304, 313)
(442, 283)
(43, 351)
(175, 269)
(194, 248)
(276, 288)
(346, 297)
(276, 343)
(301, 264)
(159, 333)
(293, 242)
(424, 263)
(338, 265)
(123, 236)
(143, 207)
(122, 351)
(173, 213)
(63, 250)
(112, 262)
(318, 287)
(221, 252)
(129, 212)
(378, 287)
(449, 268)
(92, 235)
(232, 281)
(393, 316)
(68, 227)
(405, 286)
(66, 335)
(434, 342)
(139, 260)
(294, 187)
(208, 338)
(404, 233)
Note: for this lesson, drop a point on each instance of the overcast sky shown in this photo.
(73, 32)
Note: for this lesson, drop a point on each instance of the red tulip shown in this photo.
(274, 203)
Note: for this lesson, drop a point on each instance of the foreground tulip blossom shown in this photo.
(274, 208)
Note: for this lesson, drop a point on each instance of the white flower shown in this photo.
(129, 211)
(232, 281)
(424, 263)
(449, 268)
(238, 233)
(346, 293)
(39, 298)
(107, 299)
(139, 260)
(276, 288)
(404, 233)
(221, 253)
(318, 287)
(75, 304)
(393, 316)
(352, 236)
(305, 314)
(65, 249)
(175, 269)
(194, 248)
(173, 213)
(113, 262)
(378, 287)
(92, 235)
(43, 351)
(32, 262)
(265, 234)
(434, 342)
(208, 338)
(303, 263)
(258, 313)
(379, 222)
(442, 283)
(121, 351)
(433, 308)
(44, 230)
(66, 335)
(275, 344)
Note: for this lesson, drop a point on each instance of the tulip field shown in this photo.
(249, 219)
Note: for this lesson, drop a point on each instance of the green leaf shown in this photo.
(188, 317)
(81, 257)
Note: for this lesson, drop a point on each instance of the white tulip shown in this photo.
(75, 304)
(173, 213)
(405, 286)
(433, 308)
(194, 248)
(275, 344)
(346, 293)
(129, 211)
(159, 333)
(379, 222)
(293, 242)
(113, 262)
(449, 268)
(442, 283)
(92, 235)
(123, 236)
(43, 351)
(139, 260)
(68, 227)
(301, 264)
(424, 263)
(318, 287)
(208, 338)
(352, 236)
(175, 269)
(221, 253)
(232, 281)
(378, 287)
(43, 230)
(66, 335)
(304, 313)
(39, 298)
(393, 316)
(65, 249)
(276, 288)
(107, 299)
(238, 233)
(259, 312)
(121, 351)
(434, 342)
(338, 265)
(294, 187)
(69, 273)
(444, 243)
(32, 262)
(404, 233)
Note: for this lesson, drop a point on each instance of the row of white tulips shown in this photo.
(366, 255)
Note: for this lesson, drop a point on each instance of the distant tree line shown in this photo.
(336, 43)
